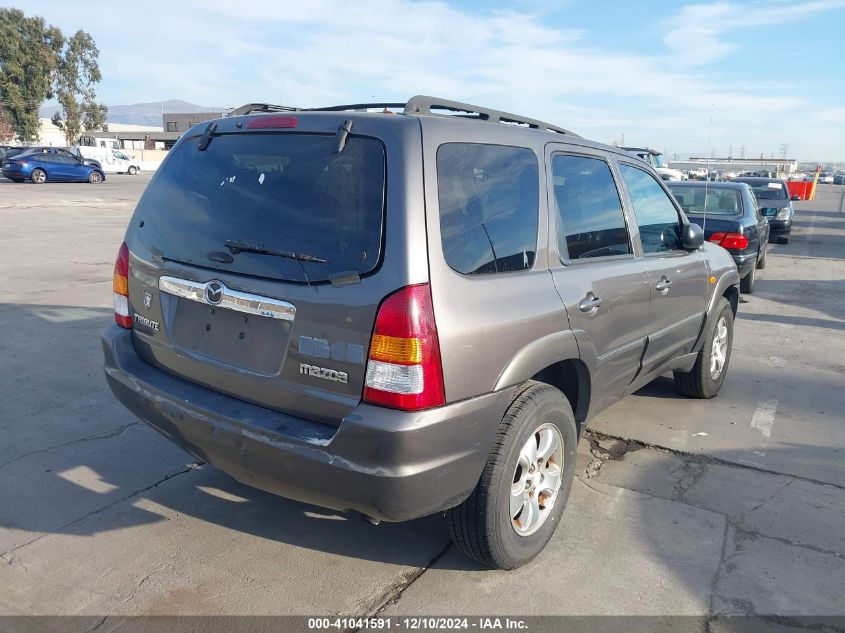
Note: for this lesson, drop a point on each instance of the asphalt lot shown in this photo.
(729, 506)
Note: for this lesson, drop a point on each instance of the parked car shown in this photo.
(49, 149)
(41, 167)
(773, 198)
(698, 174)
(826, 178)
(347, 361)
(839, 179)
(655, 158)
(730, 217)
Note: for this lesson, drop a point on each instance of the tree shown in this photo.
(76, 76)
(29, 55)
(7, 132)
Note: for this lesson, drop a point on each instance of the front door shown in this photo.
(677, 277)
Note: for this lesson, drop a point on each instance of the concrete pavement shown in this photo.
(731, 506)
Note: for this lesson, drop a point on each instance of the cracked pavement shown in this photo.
(680, 507)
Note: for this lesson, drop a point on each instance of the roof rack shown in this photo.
(426, 106)
(420, 105)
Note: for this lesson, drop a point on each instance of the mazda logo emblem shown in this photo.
(214, 292)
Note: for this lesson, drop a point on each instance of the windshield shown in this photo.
(718, 201)
(770, 191)
(287, 192)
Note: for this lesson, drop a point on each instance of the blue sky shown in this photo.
(772, 72)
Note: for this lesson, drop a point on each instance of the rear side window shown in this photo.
(489, 202)
(657, 217)
(285, 192)
(591, 222)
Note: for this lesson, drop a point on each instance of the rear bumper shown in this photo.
(745, 263)
(390, 465)
(17, 173)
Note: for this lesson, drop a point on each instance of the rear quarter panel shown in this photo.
(489, 325)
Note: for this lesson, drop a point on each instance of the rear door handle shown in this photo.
(590, 304)
(663, 285)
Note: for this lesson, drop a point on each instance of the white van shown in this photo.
(112, 160)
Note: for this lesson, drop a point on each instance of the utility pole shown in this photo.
(742, 152)
(784, 150)
(730, 151)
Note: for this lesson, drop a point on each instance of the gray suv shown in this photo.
(408, 311)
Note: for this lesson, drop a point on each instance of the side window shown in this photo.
(489, 203)
(590, 219)
(657, 217)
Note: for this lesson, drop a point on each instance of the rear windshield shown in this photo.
(718, 201)
(285, 192)
(770, 191)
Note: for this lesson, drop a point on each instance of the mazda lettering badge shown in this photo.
(214, 292)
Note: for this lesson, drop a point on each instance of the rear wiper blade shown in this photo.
(236, 247)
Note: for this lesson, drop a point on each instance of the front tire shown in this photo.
(708, 374)
(95, 178)
(132, 170)
(38, 176)
(516, 505)
(783, 240)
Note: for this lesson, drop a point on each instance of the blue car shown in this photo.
(43, 167)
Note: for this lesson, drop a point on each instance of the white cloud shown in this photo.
(219, 52)
(695, 32)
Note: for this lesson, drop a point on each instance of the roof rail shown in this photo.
(419, 105)
(249, 108)
(425, 105)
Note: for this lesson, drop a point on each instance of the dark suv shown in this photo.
(412, 312)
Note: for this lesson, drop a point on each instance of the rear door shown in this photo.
(678, 278)
(287, 332)
(600, 277)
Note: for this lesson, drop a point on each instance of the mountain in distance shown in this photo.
(148, 114)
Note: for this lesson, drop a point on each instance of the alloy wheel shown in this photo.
(536, 479)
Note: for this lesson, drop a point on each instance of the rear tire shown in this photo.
(783, 240)
(746, 284)
(38, 176)
(761, 263)
(484, 527)
(700, 381)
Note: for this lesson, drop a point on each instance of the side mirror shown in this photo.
(692, 236)
(795, 198)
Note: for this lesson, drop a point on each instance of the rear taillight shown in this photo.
(120, 288)
(729, 240)
(403, 369)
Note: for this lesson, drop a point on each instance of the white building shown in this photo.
(53, 136)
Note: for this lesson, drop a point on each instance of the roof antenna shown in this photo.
(707, 181)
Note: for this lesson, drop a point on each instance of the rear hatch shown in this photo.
(253, 264)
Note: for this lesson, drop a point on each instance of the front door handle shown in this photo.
(663, 285)
(590, 304)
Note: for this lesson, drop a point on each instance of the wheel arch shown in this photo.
(553, 359)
